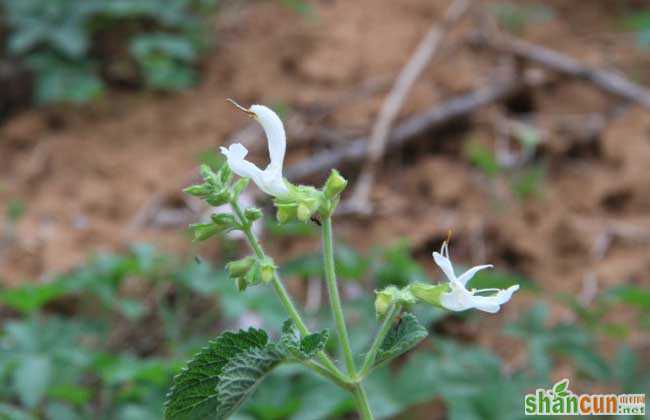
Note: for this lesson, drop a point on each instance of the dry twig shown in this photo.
(423, 54)
(436, 116)
(608, 81)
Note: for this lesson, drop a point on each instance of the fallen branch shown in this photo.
(436, 116)
(423, 54)
(608, 81)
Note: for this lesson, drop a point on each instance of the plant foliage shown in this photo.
(75, 47)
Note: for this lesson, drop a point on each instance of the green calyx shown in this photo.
(391, 296)
(220, 223)
(251, 271)
(302, 201)
(334, 185)
(427, 293)
(240, 267)
(299, 204)
(252, 214)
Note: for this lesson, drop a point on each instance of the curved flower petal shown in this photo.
(492, 304)
(273, 183)
(235, 155)
(467, 275)
(275, 135)
(458, 299)
(269, 180)
(445, 265)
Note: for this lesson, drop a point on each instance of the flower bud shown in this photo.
(225, 174)
(303, 213)
(267, 273)
(224, 220)
(392, 295)
(203, 231)
(285, 212)
(199, 190)
(240, 186)
(383, 300)
(253, 276)
(240, 267)
(335, 184)
(218, 198)
(209, 176)
(252, 214)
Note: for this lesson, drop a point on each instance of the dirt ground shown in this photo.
(92, 177)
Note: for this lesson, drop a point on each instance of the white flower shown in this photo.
(269, 180)
(459, 298)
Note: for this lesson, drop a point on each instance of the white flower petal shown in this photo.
(492, 304)
(467, 275)
(273, 183)
(445, 265)
(458, 299)
(275, 135)
(235, 155)
(269, 180)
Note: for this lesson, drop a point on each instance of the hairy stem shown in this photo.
(284, 297)
(335, 299)
(392, 313)
(327, 373)
(362, 402)
(360, 396)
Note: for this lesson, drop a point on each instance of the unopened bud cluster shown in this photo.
(250, 271)
(303, 202)
(218, 189)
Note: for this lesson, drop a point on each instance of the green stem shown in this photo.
(283, 295)
(362, 402)
(335, 303)
(368, 363)
(335, 299)
(327, 373)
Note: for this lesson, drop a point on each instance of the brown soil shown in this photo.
(85, 174)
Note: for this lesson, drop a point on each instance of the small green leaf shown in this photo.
(405, 335)
(302, 348)
(221, 376)
(313, 343)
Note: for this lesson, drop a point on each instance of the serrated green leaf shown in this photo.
(302, 348)
(222, 375)
(313, 343)
(242, 375)
(405, 335)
